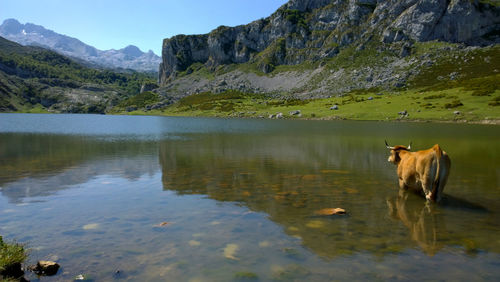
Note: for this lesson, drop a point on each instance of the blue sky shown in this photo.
(114, 24)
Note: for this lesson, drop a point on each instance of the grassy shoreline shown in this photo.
(12, 255)
(457, 105)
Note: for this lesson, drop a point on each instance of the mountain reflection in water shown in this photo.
(291, 178)
(36, 165)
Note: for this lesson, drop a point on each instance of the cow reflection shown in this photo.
(422, 219)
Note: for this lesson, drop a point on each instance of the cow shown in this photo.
(425, 170)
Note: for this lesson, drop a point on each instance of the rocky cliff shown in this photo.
(311, 31)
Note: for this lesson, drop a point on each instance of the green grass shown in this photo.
(11, 254)
(35, 109)
(420, 105)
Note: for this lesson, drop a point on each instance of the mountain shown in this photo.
(129, 57)
(319, 48)
(36, 79)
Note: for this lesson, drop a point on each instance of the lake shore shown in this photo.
(326, 118)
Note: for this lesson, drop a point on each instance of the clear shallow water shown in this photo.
(239, 199)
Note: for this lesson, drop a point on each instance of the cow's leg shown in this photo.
(402, 184)
(427, 188)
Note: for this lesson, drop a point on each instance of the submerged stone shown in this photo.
(330, 211)
(230, 251)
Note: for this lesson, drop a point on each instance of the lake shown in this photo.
(196, 199)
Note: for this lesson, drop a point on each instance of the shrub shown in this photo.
(434, 96)
(141, 100)
(453, 104)
(495, 102)
(296, 17)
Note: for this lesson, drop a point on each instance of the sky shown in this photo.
(115, 24)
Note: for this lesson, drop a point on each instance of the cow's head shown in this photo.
(394, 157)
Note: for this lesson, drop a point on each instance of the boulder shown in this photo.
(45, 268)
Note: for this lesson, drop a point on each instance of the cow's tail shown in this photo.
(437, 179)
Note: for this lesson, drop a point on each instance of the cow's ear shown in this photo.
(396, 156)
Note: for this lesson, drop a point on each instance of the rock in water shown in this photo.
(83, 277)
(45, 268)
(162, 224)
(330, 211)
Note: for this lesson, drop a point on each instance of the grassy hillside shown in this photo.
(36, 79)
(454, 104)
(454, 84)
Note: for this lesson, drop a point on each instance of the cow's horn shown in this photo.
(387, 145)
(409, 146)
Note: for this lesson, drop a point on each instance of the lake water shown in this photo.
(194, 199)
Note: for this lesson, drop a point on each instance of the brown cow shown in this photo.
(425, 170)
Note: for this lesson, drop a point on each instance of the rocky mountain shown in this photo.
(129, 57)
(36, 79)
(315, 48)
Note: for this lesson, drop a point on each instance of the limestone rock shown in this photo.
(311, 30)
(452, 21)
